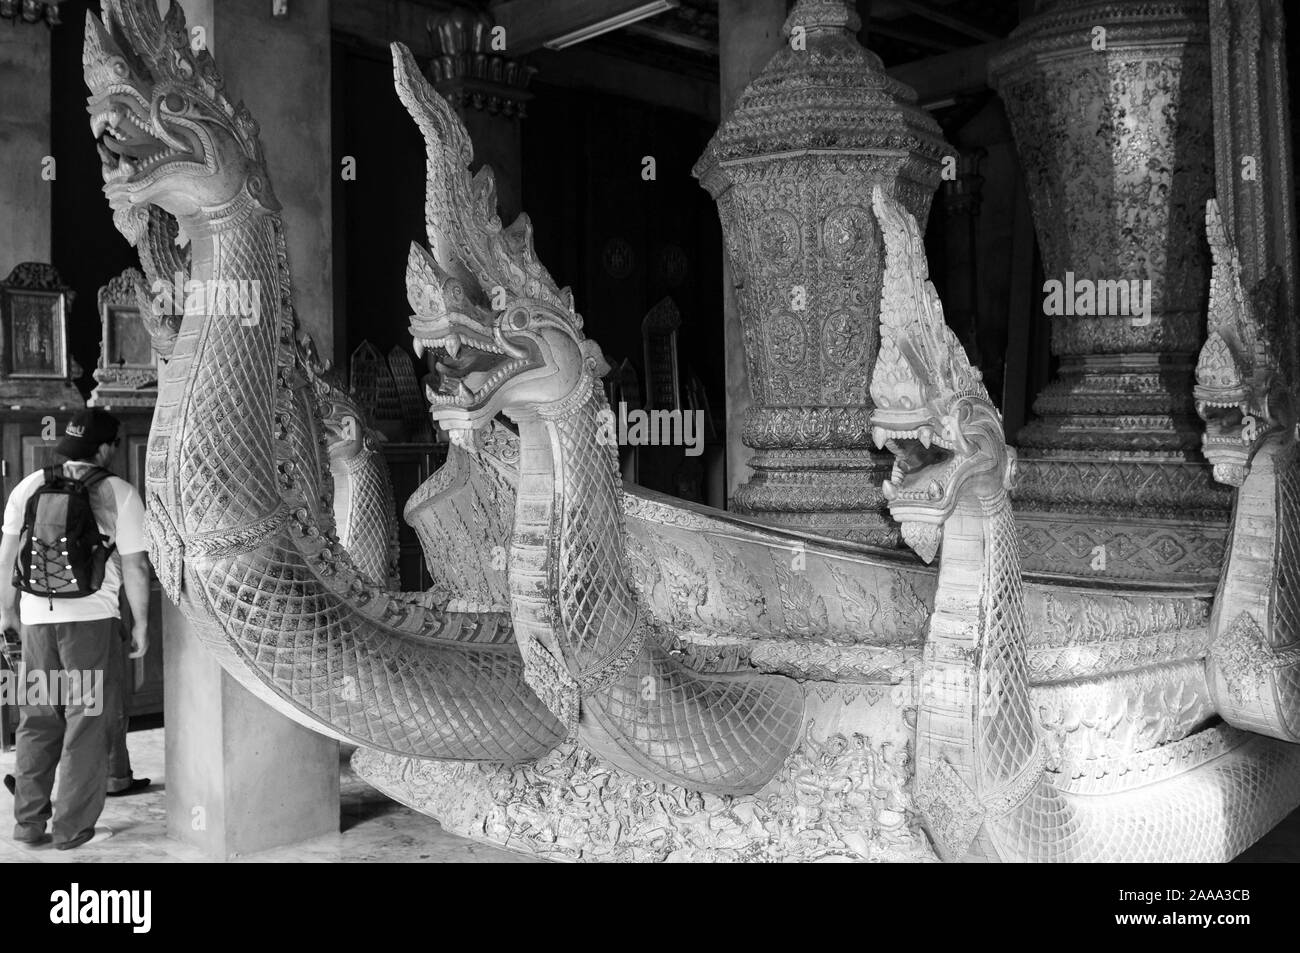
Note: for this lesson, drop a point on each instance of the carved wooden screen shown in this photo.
(659, 339)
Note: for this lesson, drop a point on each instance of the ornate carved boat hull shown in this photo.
(1117, 673)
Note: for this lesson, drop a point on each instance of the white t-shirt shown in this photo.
(120, 515)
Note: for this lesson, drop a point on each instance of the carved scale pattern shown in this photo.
(230, 470)
(640, 708)
(982, 780)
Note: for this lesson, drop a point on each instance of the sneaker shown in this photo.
(135, 787)
(29, 837)
(73, 843)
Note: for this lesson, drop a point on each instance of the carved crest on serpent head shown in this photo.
(921, 362)
(1237, 367)
(468, 243)
(931, 407)
(480, 287)
(168, 133)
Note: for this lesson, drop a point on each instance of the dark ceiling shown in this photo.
(685, 39)
(898, 31)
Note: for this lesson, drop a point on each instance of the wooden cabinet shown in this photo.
(27, 440)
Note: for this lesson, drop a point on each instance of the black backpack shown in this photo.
(63, 554)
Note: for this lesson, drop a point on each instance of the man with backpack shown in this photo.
(73, 536)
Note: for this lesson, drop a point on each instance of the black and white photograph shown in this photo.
(651, 432)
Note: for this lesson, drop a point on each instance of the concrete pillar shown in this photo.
(25, 143)
(749, 33)
(280, 67)
(242, 778)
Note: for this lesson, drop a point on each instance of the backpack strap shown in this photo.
(93, 477)
(53, 474)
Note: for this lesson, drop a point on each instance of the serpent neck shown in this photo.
(220, 474)
(569, 583)
(975, 712)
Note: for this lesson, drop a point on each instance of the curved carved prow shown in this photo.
(982, 778)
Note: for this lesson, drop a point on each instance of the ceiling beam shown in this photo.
(686, 41)
(882, 28)
(945, 19)
(560, 23)
(380, 22)
(590, 69)
(944, 77)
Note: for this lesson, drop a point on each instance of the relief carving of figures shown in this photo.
(803, 610)
(743, 596)
(838, 797)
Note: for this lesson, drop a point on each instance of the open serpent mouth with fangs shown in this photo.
(1223, 423)
(128, 150)
(925, 465)
(469, 362)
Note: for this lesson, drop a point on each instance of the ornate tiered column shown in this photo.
(792, 170)
(1109, 103)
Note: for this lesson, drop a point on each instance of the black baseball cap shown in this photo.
(88, 428)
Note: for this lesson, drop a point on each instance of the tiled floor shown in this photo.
(374, 828)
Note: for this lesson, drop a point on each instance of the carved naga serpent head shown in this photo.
(931, 410)
(168, 135)
(346, 430)
(497, 332)
(1236, 369)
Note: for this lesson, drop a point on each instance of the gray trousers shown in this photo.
(118, 683)
(71, 736)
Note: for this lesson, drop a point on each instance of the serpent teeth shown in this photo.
(935, 491)
(878, 435)
(926, 436)
(887, 488)
(452, 344)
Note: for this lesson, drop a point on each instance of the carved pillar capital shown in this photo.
(471, 68)
(31, 11)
